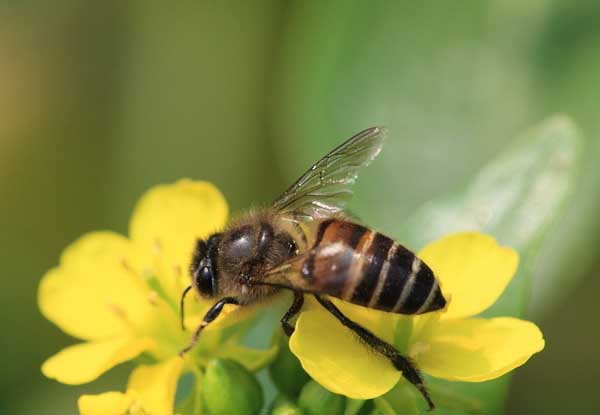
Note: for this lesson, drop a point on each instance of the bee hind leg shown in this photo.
(288, 329)
(403, 364)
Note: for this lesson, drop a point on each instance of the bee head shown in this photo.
(204, 266)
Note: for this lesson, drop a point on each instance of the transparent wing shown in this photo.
(326, 187)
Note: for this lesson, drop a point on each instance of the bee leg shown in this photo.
(403, 364)
(210, 315)
(288, 329)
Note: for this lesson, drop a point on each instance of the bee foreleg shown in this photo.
(210, 316)
(288, 329)
(403, 364)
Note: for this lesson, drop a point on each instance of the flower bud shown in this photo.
(316, 400)
(283, 406)
(286, 371)
(228, 388)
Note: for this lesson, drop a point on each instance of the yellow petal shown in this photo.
(86, 361)
(333, 356)
(155, 385)
(114, 403)
(476, 350)
(96, 291)
(473, 271)
(169, 219)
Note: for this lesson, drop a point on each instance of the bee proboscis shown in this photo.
(305, 243)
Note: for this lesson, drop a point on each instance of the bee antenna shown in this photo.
(181, 305)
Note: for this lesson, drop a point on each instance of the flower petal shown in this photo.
(96, 291)
(476, 350)
(473, 271)
(115, 403)
(169, 219)
(334, 357)
(84, 362)
(155, 385)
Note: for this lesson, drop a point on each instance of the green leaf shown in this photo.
(516, 198)
(353, 406)
(401, 400)
(286, 372)
(383, 407)
(432, 73)
(192, 404)
(450, 398)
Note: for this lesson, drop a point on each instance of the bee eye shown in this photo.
(204, 281)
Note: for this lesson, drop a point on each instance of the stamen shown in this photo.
(157, 247)
(178, 275)
(127, 266)
(136, 408)
(138, 279)
(118, 311)
(153, 298)
(418, 348)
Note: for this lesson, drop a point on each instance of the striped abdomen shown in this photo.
(358, 265)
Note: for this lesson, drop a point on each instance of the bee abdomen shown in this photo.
(375, 272)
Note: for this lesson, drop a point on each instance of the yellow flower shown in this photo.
(473, 271)
(120, 295)
(150, 391)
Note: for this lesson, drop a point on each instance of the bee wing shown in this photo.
(326, 187)
(321, 270)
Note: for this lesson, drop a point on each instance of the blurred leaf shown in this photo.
(192, 97)
(384, 407)
(401, 399)
(448, 398)
(286, 372)
(568, 76)
(434, 74)
(516, 198)
(191, 404)
(353, 406)
(316, 400)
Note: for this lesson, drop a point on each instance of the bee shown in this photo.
(306, 244)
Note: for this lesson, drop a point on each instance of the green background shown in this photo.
(101, 100)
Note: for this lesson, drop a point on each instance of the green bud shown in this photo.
(228, 388)
(283, 406)
(286, 371)
(354, 406)
(316, 400)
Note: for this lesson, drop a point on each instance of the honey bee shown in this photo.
(306, 244)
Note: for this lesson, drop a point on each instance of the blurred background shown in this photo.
(101, 100)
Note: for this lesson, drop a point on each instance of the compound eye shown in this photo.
(204, 281)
